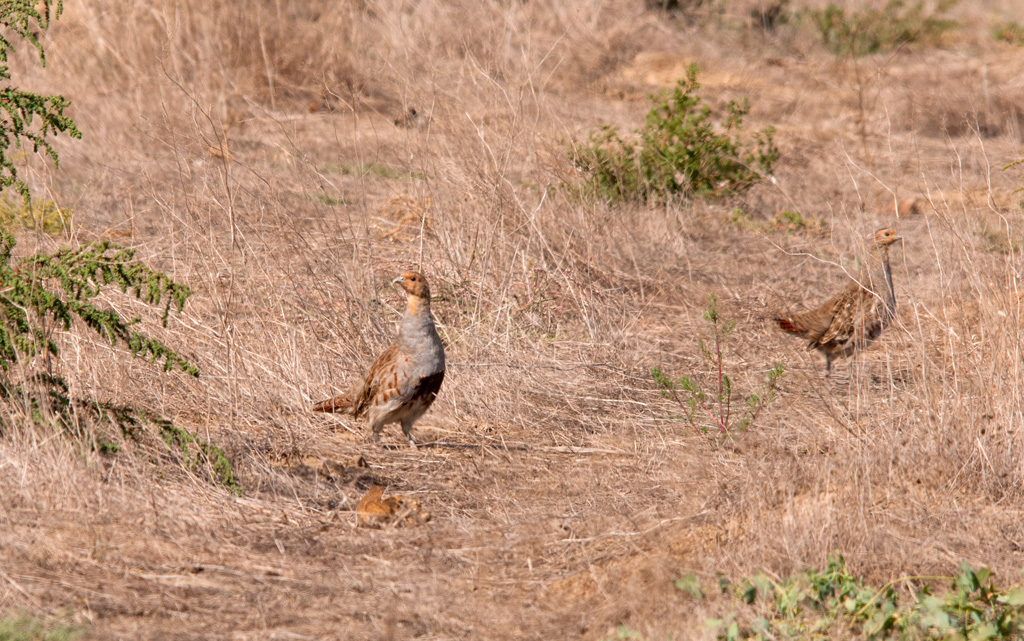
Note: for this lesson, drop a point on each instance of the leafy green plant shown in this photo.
(45, 293)
(1016, 163)
(680, 151)
(27, 118)
(835, 604)
(870, 30)
(789, 220)
(80, 274)
(707, 410)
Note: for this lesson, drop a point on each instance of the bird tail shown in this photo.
(340, 403)
(791, 325)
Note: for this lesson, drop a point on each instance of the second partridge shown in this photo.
(849, 321)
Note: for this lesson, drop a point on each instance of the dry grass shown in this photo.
(250, 152)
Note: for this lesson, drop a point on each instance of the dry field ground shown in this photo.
(250, 150)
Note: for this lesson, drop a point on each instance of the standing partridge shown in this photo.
(849, 321)
(403, 382)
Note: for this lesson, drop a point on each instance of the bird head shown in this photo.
(886, 237)
(415, 284)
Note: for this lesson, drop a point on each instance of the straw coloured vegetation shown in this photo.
(251, 179)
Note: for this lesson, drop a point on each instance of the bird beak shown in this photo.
(398, 280)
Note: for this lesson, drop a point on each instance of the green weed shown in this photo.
(362, 170)
(836, 604)
(788, 221)
(870, 30)
(26, 628)
(324, 199)
(1011, 32)
(708, 410)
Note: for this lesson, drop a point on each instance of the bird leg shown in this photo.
(407, 428)
(378, 426)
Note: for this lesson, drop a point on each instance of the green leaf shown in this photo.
(982, 632)
(933, 615)
(690, 584)
(1013, 598)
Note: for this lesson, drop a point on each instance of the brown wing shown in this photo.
(816, 324)
(853, 319)
(359, 398)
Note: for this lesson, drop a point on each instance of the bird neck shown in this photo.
(417, 330)
(416, 306)
(889, 293)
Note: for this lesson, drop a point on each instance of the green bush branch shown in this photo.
(28, 118)
(45, 398)
(81, 273)
(56, 290)
(870, 30)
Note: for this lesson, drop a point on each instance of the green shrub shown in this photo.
(55, 291)
(1017, 163)
(871, 30)
(679, 151)
(27, 118)
(713, 410)
(786, 220)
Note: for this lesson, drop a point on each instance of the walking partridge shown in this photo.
(849, 321)
(403, 382)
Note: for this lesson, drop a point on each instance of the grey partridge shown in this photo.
(404, 380)
(849, 321)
